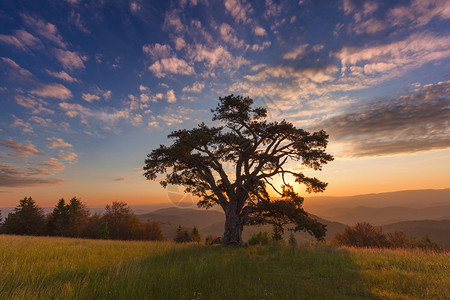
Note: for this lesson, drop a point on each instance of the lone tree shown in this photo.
(233, 165)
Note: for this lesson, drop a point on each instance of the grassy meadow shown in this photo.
(63, 268)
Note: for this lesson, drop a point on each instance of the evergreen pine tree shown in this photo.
(196, 235)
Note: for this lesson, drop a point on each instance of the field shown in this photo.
(45, 268)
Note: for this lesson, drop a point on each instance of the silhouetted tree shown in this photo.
(152, 231)
(201, 160)
(122, 223)
(78, 216)
(27, 219)
(277, 233)
(182, 236)
(103, 232)
(398, 239)
(92, 227)
(58, 219)
(361, 235)
(196, 235)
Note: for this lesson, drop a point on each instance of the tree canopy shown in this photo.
(233, 164)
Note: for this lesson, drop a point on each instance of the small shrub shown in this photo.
(260, 238)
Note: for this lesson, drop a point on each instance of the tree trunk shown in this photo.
(233, 228)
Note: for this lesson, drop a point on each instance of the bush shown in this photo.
(361, 235)
(260, 238)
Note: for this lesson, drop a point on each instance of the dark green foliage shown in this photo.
(196, 235)
(57, 221)
(103, 232)
(277, 233)
(27, 219)
(69, 219)
(198, 159)
(122, 223)
(260, 238)
(182, 236)
(78, 217)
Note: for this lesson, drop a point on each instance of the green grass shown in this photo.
(47, 268)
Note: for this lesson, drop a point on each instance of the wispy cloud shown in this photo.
(62, 75)
(44, 29)
(13, 176)
(22, 40)
(67, 156)
(415, 122)
(57, 143)
(18, 149)
(26, 126)
(14, 70)
(70, 60)
(53, 90)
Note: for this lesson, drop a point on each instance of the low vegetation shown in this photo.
(365, 235)
(49, 267)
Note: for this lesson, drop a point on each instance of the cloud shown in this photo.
(228, 34)
(89, 97)
(298, 51)
(70, 60)
(26, 127)
(121, 179)
(20, 149)
(53, 166)
(172, 21)
(43, 122)
(13, 176)
(394, 58)
(318, 74)
(67, 155)
(264, 45)
(196, 87)
(180, 43)
(14, 70)
(172, 65)
(57, 143)
(420, 12)
(107, 95)
(22, 40)
(170, 96)
(418, 121)
(239, 10)
(75, 19)
(217, 56)
(62, 75)
(157, 51)
(44, 29)
(36, 105)
(107, 118)
(53, 90)
(259, 31)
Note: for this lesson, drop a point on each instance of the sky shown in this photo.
(89, 88)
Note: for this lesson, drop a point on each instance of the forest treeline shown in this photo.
(73, 219)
